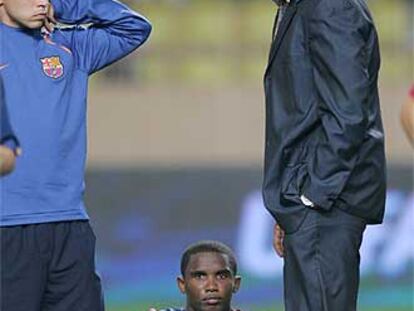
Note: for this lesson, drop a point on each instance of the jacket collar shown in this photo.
(284, 24)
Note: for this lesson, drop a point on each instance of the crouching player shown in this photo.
(208, 277)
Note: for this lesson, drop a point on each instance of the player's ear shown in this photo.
(237, 282)
(180, 281)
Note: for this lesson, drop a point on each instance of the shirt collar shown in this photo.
(285, 2)
(281, 2)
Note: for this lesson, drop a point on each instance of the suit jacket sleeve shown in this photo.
(338, 32)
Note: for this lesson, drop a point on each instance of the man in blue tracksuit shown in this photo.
(9, 146)
(47, 245)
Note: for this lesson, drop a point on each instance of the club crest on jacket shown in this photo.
(52, 66)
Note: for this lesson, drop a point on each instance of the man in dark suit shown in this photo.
(324, 162)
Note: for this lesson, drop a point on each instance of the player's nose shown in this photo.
(42, 3)
(211, 284)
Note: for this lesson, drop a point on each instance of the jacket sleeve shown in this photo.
(104, 31)
(7, 136)
(338, 31)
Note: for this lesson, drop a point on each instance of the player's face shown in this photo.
(209, 283)
(23, 13)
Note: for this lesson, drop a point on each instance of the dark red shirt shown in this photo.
(412, 92)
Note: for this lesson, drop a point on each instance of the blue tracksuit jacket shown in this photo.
(7, 136)
(46, 83)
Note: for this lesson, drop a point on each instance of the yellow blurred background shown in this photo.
(193, 94)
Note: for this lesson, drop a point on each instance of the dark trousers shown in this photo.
(321, 263)
(49, 267)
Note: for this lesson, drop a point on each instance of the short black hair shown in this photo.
(208, 246)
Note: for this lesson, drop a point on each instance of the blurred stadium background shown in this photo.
(176, 148)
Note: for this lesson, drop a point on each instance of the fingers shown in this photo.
(50, 20)
(7, 160)
(48, 25)
(51, 14)
(278, 237)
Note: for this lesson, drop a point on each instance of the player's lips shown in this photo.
(211, 301)
(39, 17)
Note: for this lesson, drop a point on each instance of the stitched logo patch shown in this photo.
(52, 67)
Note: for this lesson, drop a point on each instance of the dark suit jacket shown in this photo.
(324, 134)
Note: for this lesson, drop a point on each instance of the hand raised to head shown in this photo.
(50, 20)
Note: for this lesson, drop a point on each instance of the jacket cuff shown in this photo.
(12, 143)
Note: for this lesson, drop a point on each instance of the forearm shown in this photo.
(113, 30)
(97, 12)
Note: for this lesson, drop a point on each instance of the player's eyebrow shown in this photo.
(198, 272)
(225, 271)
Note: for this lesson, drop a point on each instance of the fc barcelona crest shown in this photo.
(52, 67)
